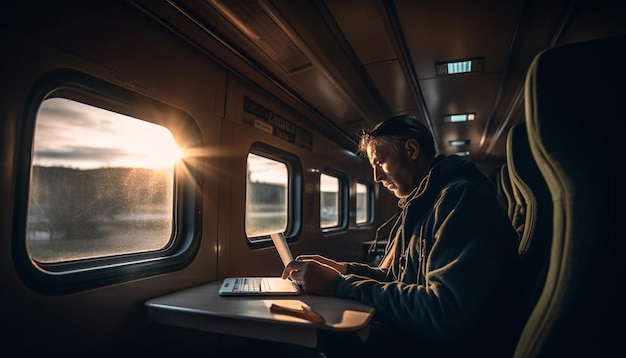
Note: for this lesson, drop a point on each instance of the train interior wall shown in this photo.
(114, 42)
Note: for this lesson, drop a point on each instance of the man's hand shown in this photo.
(339, 266)
(313, 275)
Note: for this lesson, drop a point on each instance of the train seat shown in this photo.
(505, 189)
(583, 294)
(532, 215)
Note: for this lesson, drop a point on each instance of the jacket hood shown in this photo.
(446, 169)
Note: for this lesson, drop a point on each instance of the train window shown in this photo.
(102, 184)
(273, 182)
(266, 196)
(364, 203)
(333, 200)
(109, 194)
(329, 201)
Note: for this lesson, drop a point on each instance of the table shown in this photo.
(201, 308)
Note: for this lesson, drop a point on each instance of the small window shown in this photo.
(364, 201)
(102, 184)
(333, 200)
(329, 201)
(272, 193)
(266, 196)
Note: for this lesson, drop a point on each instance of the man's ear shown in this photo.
(412, 148)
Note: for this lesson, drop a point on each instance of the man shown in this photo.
(446, 283)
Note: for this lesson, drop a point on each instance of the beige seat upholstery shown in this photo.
(532, 216)
(505, 190)
(575, 97)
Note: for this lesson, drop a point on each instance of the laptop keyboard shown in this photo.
(255, 284)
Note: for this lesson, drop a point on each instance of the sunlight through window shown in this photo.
(102, 184)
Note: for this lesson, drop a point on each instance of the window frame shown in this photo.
(72, 276)
(294, 193)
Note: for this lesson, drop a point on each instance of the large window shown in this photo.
(272, 193)
(106, 193)
(101, 184)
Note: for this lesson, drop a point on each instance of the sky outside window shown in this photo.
(74, 135)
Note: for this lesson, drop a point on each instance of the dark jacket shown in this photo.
(453, 286)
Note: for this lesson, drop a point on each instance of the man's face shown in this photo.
(391, 168)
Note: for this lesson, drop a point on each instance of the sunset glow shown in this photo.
(74, 135)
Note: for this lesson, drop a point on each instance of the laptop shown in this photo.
(263, 286)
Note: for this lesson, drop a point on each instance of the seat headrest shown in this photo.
(574, 97)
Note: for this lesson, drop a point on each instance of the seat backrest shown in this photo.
(505, 191)
(574, 102)
(532, 216)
